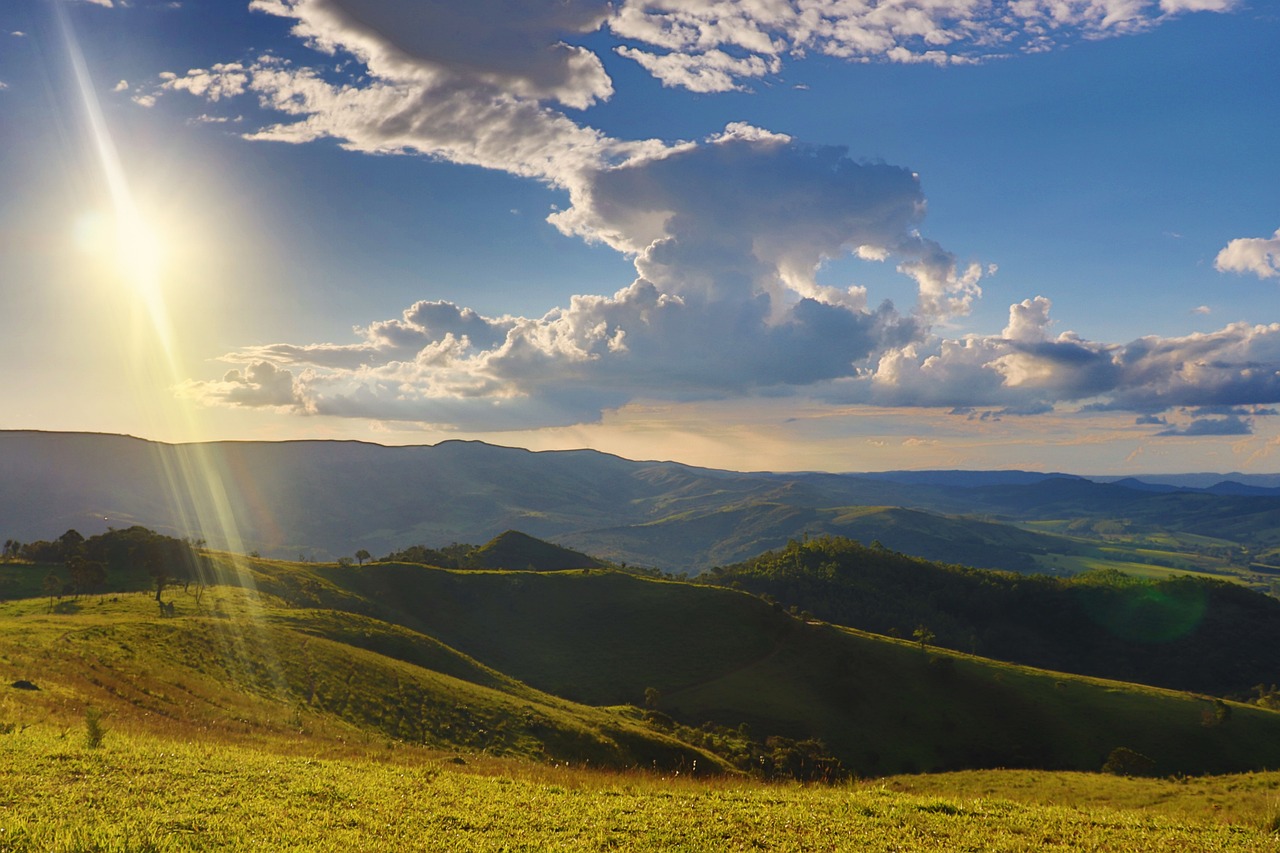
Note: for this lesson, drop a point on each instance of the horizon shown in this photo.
(1154, 475)
(976, 237)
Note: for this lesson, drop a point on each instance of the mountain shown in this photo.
(324, 499)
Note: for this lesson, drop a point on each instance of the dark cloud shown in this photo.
(1230, 425)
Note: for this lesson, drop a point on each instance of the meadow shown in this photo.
(141, 792)
(298, 706)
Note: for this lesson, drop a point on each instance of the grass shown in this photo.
(522, 663)
(140, 793)
(400, 708)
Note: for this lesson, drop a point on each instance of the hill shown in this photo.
(1181, 632)
(322, 500)
(553, 665)
(708, 655)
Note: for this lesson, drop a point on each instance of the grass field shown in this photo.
(140, 793)
(402, 708)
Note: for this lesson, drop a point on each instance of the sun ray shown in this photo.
(197, 487)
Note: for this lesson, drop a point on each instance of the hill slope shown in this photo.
(1182, 632)
(718, 655)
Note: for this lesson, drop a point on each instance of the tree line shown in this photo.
(89, 562)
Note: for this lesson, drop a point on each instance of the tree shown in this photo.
(52, 586)
(86, 574)
(362, 555)
(11, 549)
(923, 636)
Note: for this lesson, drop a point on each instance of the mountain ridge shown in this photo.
(320, 499)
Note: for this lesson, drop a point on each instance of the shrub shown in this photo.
(1127, 762)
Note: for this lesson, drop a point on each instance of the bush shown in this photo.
(1127, 762)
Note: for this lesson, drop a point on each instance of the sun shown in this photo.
(139, 250)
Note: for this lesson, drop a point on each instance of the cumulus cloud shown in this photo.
(728, 234)
(1238, 365)
(756, 212)
(518, 48)
(446, 365)
(259, 384)
(716, 45)
(1257, 255)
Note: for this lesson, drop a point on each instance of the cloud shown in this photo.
(716, 45)
(259, 384)
(446, 365)
(1202, 309)
(1230, 425)
(756, 212)
(519, 48)
(1238, 365)
(727, 234)
(1257, 255)
(1174, 7)
(122, 86)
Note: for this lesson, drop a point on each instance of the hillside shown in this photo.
(552, 665)
(707, 654)
(1180, 632)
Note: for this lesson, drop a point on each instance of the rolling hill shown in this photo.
(553, 665)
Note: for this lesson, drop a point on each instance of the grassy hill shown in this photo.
(720, 656)
(554, 665)
(1189, 633)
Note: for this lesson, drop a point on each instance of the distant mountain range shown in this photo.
(323, 499)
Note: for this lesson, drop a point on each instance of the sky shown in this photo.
(784, 235)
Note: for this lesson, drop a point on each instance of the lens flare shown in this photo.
(196, 486)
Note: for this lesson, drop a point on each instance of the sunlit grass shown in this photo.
(143, 793)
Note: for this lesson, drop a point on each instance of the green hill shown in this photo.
(515, 550)
(1189, 633)
(723, 657)
(692, 541)
(553, 666)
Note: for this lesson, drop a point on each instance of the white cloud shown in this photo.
(1238, 365)
(257, 384)
(518, 48)
(1174, 7)
(713, 71)
(727, 234)
(689, 42)
(122, 86)
(1028, 320)
(1257, 255)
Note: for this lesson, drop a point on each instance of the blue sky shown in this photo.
(750, 234)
